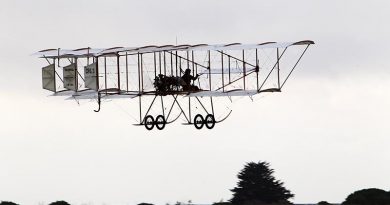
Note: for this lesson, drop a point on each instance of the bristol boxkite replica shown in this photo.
(183, 75)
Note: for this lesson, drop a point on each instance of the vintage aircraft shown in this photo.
(177, 72)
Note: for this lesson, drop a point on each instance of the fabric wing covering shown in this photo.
(96, 52)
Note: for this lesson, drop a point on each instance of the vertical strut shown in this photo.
(257, 70)
(88, 55)
(165, 65)
(180, 66)
(140, 110)
(105, 73)
(212, 105)
(171, 65)
(243, 66)
(223, 80)
(142, 74)
(278, 67)
(155, 65)
(230, 80)
(54, 64)
(266, 78)
(193, 63)
(188, 62)
(159, 60)
(176, 65)
(97, 73)
(127, 73)
(209, 68)
(119, 74)
(139, 74)
(162, 106)
(58, 53)
(76, 76)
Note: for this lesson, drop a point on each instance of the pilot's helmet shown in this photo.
(188, 71)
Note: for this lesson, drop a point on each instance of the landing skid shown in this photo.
(208, 121)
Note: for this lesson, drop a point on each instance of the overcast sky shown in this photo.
(326, 135)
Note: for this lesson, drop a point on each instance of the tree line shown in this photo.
(257, 186)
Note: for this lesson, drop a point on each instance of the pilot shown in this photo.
(187, 77)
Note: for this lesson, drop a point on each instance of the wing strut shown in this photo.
(276, 64)
(295, 66)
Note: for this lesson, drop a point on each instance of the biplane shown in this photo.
(187, 75)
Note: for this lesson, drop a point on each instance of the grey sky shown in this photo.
(326, 134)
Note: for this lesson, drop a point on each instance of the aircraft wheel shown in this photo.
(198, 121)
(210, 121)
(160, 122)
(149, 122)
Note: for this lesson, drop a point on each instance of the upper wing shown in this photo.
(96, 52)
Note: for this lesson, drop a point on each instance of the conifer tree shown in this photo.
(257, 185)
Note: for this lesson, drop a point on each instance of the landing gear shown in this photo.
(160, 122)
(198, 121)
(209, 121)
(149, 122)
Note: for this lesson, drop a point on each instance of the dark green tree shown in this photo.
(7, 203)
(222, 203)
(257, 185)
(368, 197)
(59, 203)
